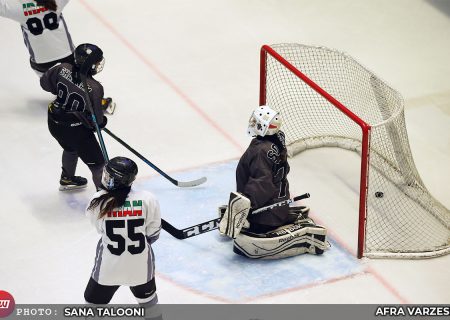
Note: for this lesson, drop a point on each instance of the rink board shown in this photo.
(207, 264)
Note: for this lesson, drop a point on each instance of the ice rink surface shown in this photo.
(185, 77)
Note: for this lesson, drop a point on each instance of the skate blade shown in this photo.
(69, 188)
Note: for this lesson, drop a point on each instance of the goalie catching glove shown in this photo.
(235, 215)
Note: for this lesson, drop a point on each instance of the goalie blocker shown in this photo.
(235, 215)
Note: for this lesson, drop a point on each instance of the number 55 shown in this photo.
(121, 241)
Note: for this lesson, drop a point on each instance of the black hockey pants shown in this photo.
(100, 294)
(77, 141)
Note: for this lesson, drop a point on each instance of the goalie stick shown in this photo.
(281, 203)
(210, 225)
(182, 184)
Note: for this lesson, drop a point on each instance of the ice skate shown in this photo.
(72, 183)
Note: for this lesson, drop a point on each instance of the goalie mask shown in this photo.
(119, 172)
(89, 58)
(264, 121)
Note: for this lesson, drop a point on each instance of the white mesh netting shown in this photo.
(407, 221)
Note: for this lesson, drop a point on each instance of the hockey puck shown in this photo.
(379, 194)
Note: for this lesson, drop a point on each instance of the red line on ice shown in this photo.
(162, 76)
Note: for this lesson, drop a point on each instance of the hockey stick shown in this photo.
(182, 184)
(190, 231)
(281, 203)
(84, 70)
(94, 118)
(214, 224)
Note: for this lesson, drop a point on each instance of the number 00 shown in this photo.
(49, 21)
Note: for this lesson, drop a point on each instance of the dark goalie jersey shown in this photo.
(70, 105)
(261, 175)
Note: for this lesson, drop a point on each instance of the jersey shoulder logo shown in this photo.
(67, 74)
(129, 209)
(274, 154)
(30, 8)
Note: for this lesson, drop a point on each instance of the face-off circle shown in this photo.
(7, 304)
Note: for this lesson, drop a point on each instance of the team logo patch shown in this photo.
(31, 8)
(274, 154)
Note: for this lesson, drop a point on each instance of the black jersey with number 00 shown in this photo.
(70, 96)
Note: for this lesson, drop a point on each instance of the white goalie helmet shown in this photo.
(264, 121)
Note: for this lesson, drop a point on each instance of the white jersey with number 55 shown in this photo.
(44, 32)
(124, 254)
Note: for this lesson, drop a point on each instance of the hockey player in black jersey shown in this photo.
(261, 180)
(69, 120)
(261, 174)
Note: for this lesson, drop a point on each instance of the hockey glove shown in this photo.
(104, 122)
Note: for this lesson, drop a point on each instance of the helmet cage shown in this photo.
(98, 67)
(107, 179)
(263, 121)
(113, 179)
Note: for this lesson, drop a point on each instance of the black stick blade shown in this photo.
(190, 231)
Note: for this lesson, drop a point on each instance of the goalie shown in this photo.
(261, 180)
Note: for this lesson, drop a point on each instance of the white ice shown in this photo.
(185, 78)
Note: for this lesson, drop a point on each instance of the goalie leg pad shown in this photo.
(286, 241)
(235, 215)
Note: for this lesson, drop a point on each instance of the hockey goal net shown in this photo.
(327, 99)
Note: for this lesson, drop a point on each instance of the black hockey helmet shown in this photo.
(119, 172)
(89, 58)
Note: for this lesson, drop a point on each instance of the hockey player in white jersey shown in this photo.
(45, 34)
(44, 30)
(129, 222)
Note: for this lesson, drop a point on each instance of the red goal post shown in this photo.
(316, 85)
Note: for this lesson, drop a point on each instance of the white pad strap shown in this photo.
(235, 216)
